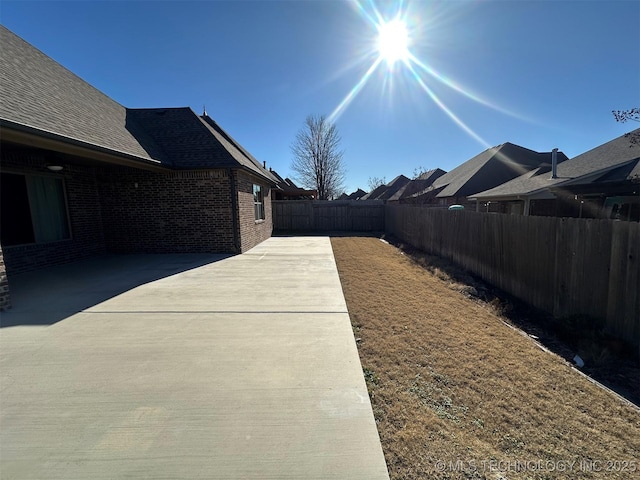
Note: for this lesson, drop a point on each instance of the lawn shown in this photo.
(458, 393)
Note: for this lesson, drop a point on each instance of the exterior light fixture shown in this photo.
(54, 168)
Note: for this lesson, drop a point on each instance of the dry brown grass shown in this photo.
(450, 382)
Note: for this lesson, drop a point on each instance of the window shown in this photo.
(33, 210)
(258, 202)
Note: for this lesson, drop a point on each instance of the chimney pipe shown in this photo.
(264, 164)
(554, 163)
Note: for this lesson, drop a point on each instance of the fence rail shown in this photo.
(565, 266)
(325, 216)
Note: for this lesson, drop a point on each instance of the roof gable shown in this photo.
(373, 194)
(384, 192)
(431, 175)
(393, 186)
(357, 195)
(416, 185)
(237, 151)
(489, 169)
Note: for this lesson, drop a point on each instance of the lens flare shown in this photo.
(446, 109)
(454, 86)
(354, 91)
(393, 47)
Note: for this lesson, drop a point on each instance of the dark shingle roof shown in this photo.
(490, 168)
(419, 184)
(579, 169)
(357, 195)
(238, 152)
(37, 92)
(278, 178)
(393, 186)
(373, 194)
(191, 141)
(383, 192)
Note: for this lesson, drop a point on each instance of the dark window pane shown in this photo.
(15, 216)
(48, 209)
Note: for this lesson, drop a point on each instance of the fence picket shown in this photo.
(564, 266)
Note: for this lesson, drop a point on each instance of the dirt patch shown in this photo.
(458, 393)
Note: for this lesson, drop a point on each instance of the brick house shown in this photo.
(82, 175)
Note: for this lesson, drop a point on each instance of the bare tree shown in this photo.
(317, 158)
(418, 171)
(623, 116)
(375, 182)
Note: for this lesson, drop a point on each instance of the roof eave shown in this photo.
(272, 183)
(533, 194)
(29, 136)
(594, 175)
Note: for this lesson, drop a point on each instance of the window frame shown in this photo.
(259, 213)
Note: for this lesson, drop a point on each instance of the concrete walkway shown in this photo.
(186, 367)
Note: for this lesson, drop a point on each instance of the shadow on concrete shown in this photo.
(47, 296)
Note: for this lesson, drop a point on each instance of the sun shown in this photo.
(393, 41)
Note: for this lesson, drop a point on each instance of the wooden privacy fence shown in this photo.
(565, 266)
(325, 216)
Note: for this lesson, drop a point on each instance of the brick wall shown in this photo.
(252, 232)
(5, 299)
(83, 208)
(126, 210)
(183, 211)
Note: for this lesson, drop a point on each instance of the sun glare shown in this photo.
(393, 41)
(393, 45)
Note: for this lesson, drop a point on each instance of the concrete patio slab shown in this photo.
(239, 367)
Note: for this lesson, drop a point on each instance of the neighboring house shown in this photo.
(357, 195)
(285, 189)
(419, 184)
(601, 183)
(489, 169)
(384, 192)
(83, 175)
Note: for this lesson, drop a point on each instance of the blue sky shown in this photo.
(541, 74)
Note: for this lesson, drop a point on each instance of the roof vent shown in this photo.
(554, 163)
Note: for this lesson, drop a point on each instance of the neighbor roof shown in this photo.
(38, 94)
(374, 193)
(583, 168)
(419, 184)
(490, 168)
(357, 195)
(383, 192)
